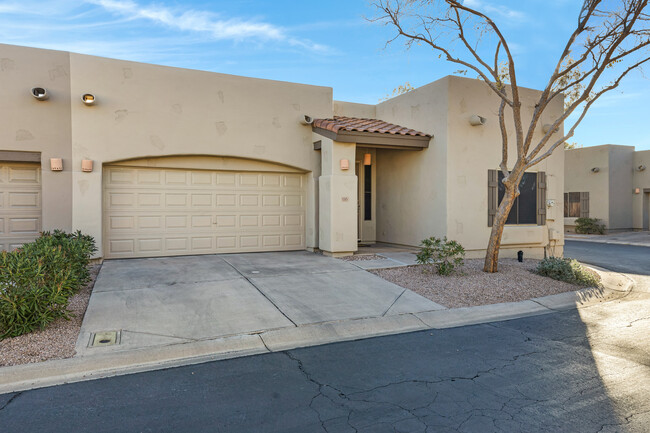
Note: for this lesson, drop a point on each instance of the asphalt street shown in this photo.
(573, 371)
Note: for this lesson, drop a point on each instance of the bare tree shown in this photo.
(611, 39)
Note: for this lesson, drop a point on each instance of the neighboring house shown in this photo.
(610, 183)
(192, 162)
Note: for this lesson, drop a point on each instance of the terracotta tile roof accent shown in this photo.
(342, 123)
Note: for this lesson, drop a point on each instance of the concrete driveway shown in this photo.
(175, 300)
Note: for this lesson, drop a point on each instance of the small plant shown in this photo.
(566, 269)
(589, 225)
(446, 256)
(38, 279)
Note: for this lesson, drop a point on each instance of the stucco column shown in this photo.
(337, 199)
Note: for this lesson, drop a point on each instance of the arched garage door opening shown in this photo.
(201, 205)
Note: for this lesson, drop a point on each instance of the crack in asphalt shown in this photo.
(13, 397)
(345, 401)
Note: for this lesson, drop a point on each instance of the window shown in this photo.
(576, 204)
(528, 208)
(524, 211)
(367, 193)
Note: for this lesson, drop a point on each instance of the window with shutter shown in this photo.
(529, 207)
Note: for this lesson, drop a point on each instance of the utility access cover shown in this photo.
(105, 338)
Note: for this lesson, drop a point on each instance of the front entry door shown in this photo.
(366, 176)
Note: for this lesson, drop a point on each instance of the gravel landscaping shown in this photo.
(55, 341)
(471, 286)
(362, 257)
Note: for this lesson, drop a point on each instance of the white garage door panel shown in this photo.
(20, 204)
(158, 212)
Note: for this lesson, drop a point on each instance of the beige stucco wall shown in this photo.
(442, 191)
(578, 177)
(621, 167)
(474, 150)
(145, 110)
(611, 189)
(641, 201)
(39, 126)
(337, 199)
(411, 184)
(352, 109)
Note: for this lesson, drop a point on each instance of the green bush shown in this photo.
(589, 225)
(568, 270)
(446, 256)
(38, 279)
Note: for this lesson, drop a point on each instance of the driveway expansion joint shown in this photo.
(260, 291)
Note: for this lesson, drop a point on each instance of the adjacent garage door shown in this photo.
(152, 212)
(20, 204)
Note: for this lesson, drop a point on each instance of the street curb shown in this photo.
(596, 241)
(89, 367)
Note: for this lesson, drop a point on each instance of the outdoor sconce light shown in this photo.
(306, 120)
(86, 165)
(641, 168)
(40, 93)
(476, 120)
(367, 159)
(637, 190)
(345, 164)
(56, 164)
(595, 170)
(88, 98)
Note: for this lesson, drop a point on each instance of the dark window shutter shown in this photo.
(584, 205)
(541, 198)
(493, 195)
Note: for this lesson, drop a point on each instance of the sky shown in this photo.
(331, 43)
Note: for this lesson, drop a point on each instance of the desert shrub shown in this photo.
(589, 226)
(37, 280)
(566, 269)
(446, 256)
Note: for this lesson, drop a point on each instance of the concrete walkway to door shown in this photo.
(177, 300)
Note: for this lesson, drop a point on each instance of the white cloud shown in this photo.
(488, 8)
(206, 22)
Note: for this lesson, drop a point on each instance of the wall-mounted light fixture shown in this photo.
(476, 120)
(56, 164)
(641, 168)
(595, 170)
(39, 93)
(88, 98)
(306, 120)
(86, 165)
(367, 159)
(637, 190)
(345, 164)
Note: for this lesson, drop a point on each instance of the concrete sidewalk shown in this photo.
(294, 307)
(639, 239)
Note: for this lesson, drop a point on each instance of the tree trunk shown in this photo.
(492, 253)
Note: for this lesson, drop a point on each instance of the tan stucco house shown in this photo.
(610, 183)
(157, 161)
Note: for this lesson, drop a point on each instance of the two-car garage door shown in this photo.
(152, 212)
